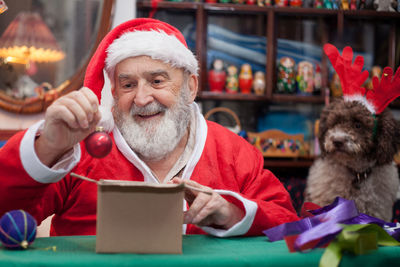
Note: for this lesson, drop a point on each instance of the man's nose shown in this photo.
(143, 95)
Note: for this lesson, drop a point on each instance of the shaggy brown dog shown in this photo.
(356, 159)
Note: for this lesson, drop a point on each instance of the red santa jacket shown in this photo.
(225, 162)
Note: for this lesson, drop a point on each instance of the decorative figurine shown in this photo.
(361, 4)
(232, 81)
(353, 4)
(335, 4)
(260, 2)
(383, 5)
(281, 3)
(328, 4)
(305, 77)
(224, 1)
(250, 2)
(335, 86)
(376, 71)
(268, 2)
(317, 79)
(296, 3)
(345, 4)
(286, 75)
(211, 1)
(318, 4)
(3, 6)
(217, 76)
(259, 83)
(245, 79)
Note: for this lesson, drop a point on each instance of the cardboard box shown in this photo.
(137, 217)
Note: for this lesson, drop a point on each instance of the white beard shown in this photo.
(154, 140)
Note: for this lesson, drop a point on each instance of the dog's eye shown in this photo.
(357, 125)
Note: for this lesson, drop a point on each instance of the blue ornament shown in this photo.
(17, 229)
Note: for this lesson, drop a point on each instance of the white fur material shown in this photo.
(107, 101)
(362, 100)
(156, 44)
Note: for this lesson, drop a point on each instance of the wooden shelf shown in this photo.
(207, 95)
(278, 10)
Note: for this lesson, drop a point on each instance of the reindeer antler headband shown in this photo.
(352, 78)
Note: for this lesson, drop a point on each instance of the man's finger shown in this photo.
(199, 202)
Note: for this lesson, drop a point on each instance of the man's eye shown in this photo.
(127, 85)
(157, 81)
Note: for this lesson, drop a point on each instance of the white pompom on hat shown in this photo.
(136, 37)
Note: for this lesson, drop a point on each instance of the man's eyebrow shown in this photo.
(153, 73)
(123, 76)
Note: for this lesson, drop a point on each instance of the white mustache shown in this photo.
(150, 109)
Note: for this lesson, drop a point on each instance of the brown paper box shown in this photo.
(137, 217)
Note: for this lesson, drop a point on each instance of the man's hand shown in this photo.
(208, 209)
(67, 121)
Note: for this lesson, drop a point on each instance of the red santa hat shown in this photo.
(137, 37)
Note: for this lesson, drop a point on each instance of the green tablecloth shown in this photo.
(197, 251)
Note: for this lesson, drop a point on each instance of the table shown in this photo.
(198, 250)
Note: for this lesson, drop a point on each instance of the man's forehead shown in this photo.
(142, 65)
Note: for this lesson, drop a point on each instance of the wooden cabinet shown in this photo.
(376, 35)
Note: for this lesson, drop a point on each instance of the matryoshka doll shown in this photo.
(217, 76)
(232, 81)
(286, 75)
(259, 83)
(335, 86)
(376, 71)
(317, 79)
(281, 3)
(305, 77)
(245, 79)
(296, 3)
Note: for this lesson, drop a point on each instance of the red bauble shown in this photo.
(98, 144)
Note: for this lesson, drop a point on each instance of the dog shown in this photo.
(356, 161)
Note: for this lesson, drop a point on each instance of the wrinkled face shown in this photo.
(152, 105)
(346, 131)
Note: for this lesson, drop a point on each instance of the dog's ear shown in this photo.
(387, 137)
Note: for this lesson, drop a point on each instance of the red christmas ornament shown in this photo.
(98, 144)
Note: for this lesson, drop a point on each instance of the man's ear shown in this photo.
(193, 86)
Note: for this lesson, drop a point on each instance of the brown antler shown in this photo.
(351, 76)
(386, 90)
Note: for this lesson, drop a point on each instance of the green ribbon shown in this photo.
(358, 239)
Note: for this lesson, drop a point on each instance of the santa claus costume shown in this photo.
(219, 158)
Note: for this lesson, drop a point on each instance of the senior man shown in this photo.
(159, 136)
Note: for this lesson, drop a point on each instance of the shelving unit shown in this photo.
(335, 26)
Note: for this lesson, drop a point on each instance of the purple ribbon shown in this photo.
(325, 224)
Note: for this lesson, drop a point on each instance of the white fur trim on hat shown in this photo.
(156, 44)
(362, 100)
